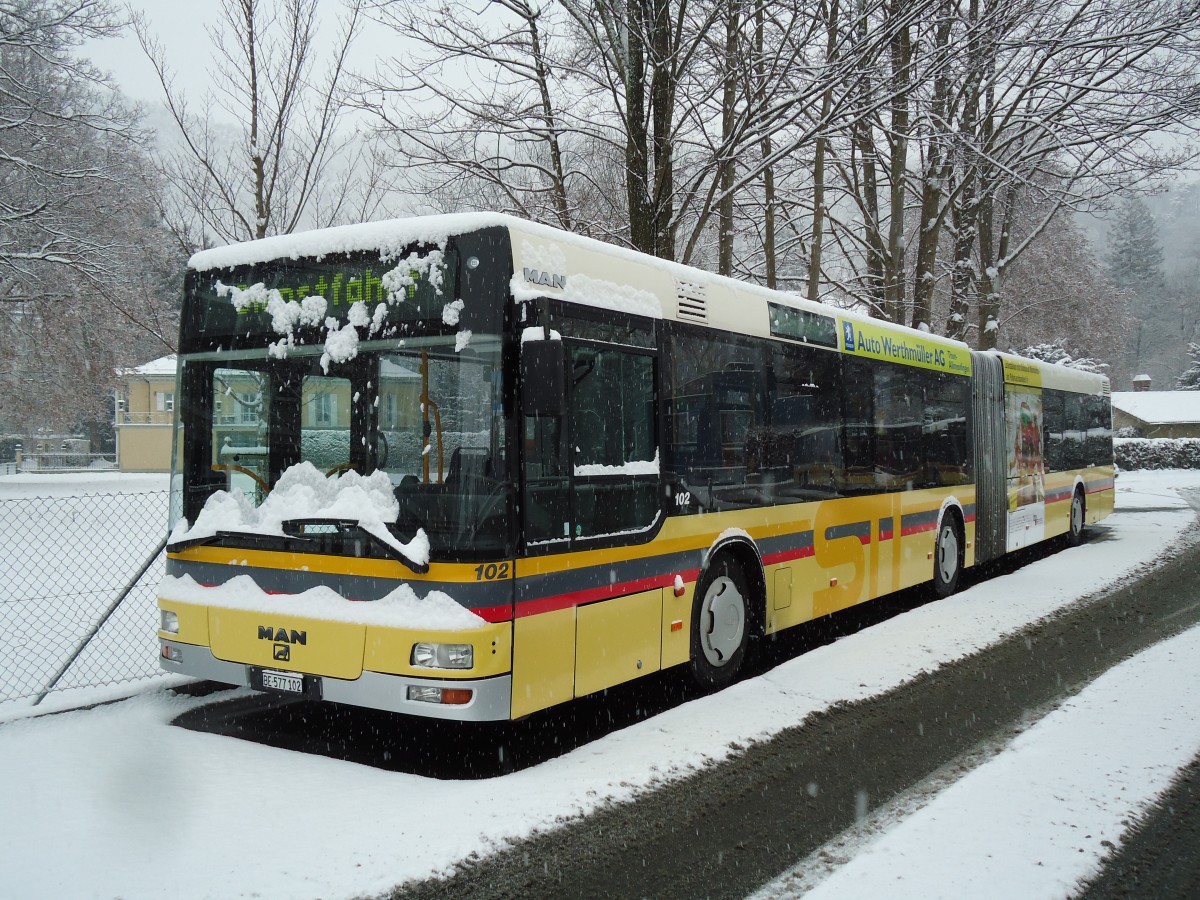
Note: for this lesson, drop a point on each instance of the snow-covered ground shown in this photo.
(32, 484)
(114, 801)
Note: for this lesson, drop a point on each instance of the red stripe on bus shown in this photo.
(494, 614)
(783, 556)
(917, 529)
(578, 598)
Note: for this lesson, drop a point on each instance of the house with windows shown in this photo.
(145, 411)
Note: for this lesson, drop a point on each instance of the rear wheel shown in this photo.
(1075, 532)
(948, 556)
(720, 624)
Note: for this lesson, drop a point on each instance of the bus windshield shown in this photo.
(423, 412)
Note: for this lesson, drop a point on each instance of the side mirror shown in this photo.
(543, 378)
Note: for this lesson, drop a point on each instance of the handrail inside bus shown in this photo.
(231, 467)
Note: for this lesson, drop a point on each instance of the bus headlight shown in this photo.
(170, 621)
(443, 656)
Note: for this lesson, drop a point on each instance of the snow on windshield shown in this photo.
(401, 608)
(303, 492)
(341, 342)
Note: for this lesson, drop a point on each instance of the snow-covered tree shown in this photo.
(86, 277)
(1189, 380)
(63, 130)
(1059, 289)
(1056, 352)
(1135, 256)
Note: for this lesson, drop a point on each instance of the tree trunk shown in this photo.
(662, 101)
(637, 158)
(901, 59)
(727, 163)
(769, 261)
(830, 13)
(937, 171)
(558, 183)
(868, 187)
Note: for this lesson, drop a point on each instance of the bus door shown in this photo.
(591, 485)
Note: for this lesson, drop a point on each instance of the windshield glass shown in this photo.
(425, 412)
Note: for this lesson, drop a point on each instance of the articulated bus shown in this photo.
(470, 467)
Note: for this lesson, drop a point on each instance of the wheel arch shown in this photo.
(742, 549)
(953, 506)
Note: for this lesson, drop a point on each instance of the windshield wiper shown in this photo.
(298, 528)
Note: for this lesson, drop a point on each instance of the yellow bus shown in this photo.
(470, 467)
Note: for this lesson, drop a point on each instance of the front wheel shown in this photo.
(947, 557)
(719, 624)
(1075, 533)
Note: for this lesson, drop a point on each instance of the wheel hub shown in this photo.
(723, 621)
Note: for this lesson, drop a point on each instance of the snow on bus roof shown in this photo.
(390, 236)
(393, 236)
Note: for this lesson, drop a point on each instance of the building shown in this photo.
(1158, 414)
(145, 412)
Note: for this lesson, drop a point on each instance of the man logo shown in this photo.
(283, 652)
(537, 276)
(282, 635)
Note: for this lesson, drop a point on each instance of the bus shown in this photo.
(469, 467)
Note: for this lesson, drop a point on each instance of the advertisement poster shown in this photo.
(1026, 471)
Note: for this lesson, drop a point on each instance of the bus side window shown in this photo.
(1053, 430)
(615, 451)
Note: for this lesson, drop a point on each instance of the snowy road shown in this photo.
(117, 802)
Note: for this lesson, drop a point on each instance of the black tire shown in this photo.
(948, 556)
(720, 623)
(1078, 514)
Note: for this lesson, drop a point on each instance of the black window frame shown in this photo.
(569, 321)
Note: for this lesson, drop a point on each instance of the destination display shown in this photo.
(255, 305)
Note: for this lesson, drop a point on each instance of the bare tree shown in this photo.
(86, 277)
(1073, 96)
(1058, 291)
(890, 153)
(481, 110)
(58, 116)
(270, 145)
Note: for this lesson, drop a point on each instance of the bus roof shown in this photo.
(549, 262)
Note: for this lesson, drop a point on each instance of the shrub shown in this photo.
(1157, 453)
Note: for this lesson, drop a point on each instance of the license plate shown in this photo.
(283, 681)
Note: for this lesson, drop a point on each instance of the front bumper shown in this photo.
(491, 701)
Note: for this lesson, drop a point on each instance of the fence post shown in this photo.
(104, 618)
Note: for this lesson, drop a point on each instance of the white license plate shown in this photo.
(283, 681)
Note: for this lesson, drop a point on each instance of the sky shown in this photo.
(111, 801)
(179, 25)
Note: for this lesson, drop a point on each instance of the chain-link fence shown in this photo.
(64, 562)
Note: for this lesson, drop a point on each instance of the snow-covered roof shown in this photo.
(163, 367)
(1159, 407)
(391, 236)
